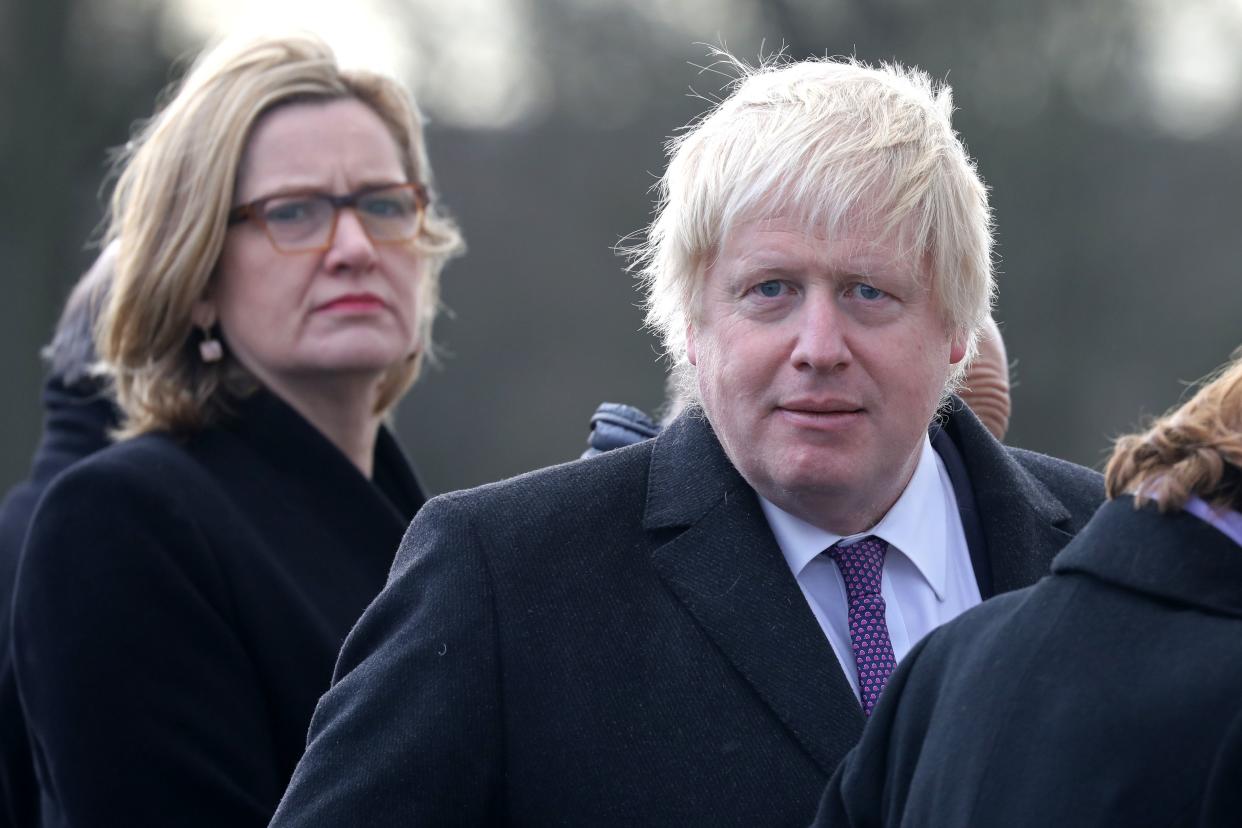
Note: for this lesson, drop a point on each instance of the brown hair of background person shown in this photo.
(1194, 450)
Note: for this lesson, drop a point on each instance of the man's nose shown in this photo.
(821, 338)
(352, 248)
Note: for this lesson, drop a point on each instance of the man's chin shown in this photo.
(802, 482)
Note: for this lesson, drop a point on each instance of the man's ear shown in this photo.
(691, 351)
(957, 349)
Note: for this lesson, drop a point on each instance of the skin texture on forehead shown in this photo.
(274, 159)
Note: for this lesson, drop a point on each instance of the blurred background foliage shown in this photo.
(1108, 132)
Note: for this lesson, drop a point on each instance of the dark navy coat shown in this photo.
(76, 421)
(1108, 694)
(179, 608)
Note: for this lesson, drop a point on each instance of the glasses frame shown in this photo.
(252, 211)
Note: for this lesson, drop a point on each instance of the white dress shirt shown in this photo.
(928, 577)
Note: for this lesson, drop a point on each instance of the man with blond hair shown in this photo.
(693, 630)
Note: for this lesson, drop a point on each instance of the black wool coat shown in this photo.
(1108, 694)
(76, 421)
(179, 608)
(619, 641)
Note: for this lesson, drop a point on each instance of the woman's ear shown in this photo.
(204, 314)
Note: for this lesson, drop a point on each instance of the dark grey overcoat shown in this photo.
(619, 641)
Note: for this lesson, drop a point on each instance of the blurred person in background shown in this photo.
(1108, 694)
(985, 386)
(183, 594)
(680, 632)
(78, 415)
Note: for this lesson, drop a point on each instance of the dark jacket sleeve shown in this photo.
(409, 733)
(142, 703)
(19, 794)
(1222, 798)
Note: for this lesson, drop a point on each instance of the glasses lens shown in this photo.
(391, 214)
(298, 222)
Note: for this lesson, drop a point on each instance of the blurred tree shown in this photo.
(1108, 132)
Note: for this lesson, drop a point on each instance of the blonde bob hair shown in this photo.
(169, 213)
(838, 144)
(1195, 449)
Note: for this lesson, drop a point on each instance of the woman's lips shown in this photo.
(353, 302)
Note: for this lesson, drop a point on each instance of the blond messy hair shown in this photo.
(169, 213)
(836, 143)
(1195, 449)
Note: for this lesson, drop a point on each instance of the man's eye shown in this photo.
(869, 293)
(771, 289)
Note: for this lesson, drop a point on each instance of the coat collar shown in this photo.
(1174, 557)
(1023, 523)
(294, 446)
(716, 552)
(689, 475)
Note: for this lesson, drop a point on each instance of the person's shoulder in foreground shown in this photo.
(1102, 695)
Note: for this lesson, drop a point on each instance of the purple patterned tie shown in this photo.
(862, 565)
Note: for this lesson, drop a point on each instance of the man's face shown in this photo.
(820, 364)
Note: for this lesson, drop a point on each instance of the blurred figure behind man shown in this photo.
(79, 413)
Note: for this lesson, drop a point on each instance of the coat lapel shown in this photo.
(1023, 522)
(364, 514)
(1174, 557)
(716, 553)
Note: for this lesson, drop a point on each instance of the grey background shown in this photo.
(1114, 171)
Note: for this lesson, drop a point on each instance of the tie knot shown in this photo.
(861, 564)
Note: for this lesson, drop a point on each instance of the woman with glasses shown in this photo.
(184, 592)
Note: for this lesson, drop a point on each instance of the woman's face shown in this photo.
(302, 322)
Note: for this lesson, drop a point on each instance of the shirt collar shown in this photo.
(1226, 520)
(915, 526)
